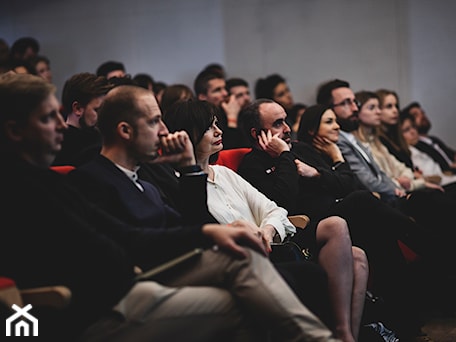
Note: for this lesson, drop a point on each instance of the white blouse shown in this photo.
(230, 197)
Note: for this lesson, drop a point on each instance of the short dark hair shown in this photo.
(264, 87)
(105, 68)
(200, 85)
(143, 80)
(194, 117)
(235, 82)
(20, 95)
(364, 95)
(119, 105)
(83, 87)
(249, 118)
(324, 92)
(22, 44)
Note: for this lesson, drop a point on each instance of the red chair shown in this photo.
(63, 169)
(232, 158)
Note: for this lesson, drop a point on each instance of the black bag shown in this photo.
(288, 251)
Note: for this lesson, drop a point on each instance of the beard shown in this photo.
(424, 127)
(348, 125)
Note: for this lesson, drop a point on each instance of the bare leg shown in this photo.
(336, 258)
(360, 277)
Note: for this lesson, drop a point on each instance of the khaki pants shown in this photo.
(214, 299)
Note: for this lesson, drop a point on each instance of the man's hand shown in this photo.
(266, 233)
(177, 149)
(272, 144)
(232, 109)
(305, 170)
(232, 238)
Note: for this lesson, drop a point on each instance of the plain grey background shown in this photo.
(406, 46)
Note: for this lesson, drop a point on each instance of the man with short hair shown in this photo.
(211, 87)
(82, 97)
(111, 69)
(240, 89)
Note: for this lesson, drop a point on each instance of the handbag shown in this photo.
(288, 251)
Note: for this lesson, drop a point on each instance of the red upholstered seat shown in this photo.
(63, 169)
(232, 158)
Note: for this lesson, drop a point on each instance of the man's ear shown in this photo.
(202, 97)
(76, 108)
(254, 133)
(12, 131)
(124, 130)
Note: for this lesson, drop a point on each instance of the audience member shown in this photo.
(427, 167)
(24, 49)
(211, 87)
(174, 93)
(231, 198)
(144, 80)
(159, 88)
(240, 89)
(42, 67)
(301, 178)
(84, 248)
(82, 97)
(444, 155)
(111, 69)
(275, 87)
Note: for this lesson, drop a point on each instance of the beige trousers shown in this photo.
(214, 299)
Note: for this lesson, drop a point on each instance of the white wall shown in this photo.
(404, 45)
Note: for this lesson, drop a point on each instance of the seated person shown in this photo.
(231, 198)
(82, 96)
(92, 253)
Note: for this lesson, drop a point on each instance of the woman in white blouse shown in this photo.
(231, 198)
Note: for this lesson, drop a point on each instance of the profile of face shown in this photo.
(273, 118)
(42, 135)
(345, 106)
(44, 71)
(211, 142)
(242, 95)
(282, 95)
(145, 137)
(369, 113)
(89, 115)
(421, 120)
(389, 110)
(409, 132)
(329, 128)
(216, 92)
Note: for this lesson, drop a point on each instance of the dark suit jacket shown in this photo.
(434, 154)
(54, 235)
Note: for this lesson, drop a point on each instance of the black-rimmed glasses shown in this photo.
(347, 103)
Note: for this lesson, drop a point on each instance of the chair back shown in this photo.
(232, 158)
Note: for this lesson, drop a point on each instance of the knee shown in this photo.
(333, 227)
(360, 258)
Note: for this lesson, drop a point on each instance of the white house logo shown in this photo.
(21, 322)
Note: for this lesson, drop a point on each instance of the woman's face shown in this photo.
(329, 128)
(409, 132)
(389, 111)
(369, 113)
(282, 95)
(211, 142)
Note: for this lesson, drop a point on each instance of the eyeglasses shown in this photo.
(347, 103)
